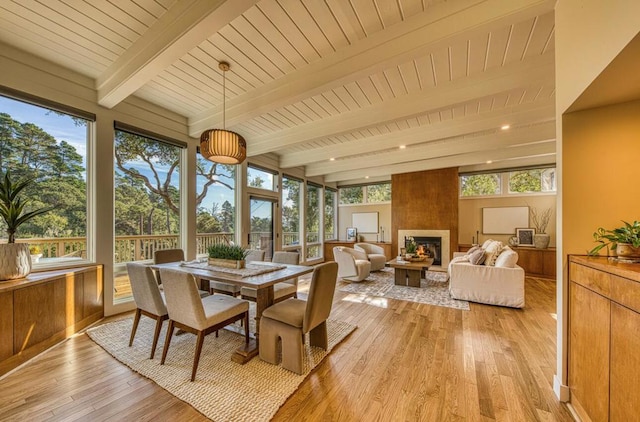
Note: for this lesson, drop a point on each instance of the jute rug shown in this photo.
(433, 290)
(223, 390)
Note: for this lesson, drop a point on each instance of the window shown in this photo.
(261, 178)
(533, 180)
(378, 193)
(147, 202)
(215, 204)
(291, 196)
(480, 184)
(351, 195)
(50, 147)
(330, 214)
(313, 220)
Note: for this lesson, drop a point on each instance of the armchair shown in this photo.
(375, 255)
(352, 264)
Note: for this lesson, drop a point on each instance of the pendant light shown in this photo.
(221, 145)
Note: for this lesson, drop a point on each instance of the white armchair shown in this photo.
(353, 265)
(375, 255)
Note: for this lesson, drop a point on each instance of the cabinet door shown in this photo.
(625, 363)
(589, 319)
(6, 325)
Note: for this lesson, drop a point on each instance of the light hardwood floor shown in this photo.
(406, 361)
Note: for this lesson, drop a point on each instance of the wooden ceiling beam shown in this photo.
(183, 27)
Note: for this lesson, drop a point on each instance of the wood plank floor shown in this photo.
(406, 361)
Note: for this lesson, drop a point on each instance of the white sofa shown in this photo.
(501, 286)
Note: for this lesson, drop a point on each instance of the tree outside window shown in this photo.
(351, 195)
(480, 184)
(532, 180)
(330, 197)
(379, 193)
(291, 190)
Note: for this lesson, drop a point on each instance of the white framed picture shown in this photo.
(352, 232)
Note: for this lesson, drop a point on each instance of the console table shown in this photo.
(330, 244)
(44, 308)
(535, 262)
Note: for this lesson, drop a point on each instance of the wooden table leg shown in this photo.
(413, 277)
(401, 277)
(264, 299)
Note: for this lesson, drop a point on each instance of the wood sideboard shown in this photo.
(604, 338)
(44, 308)
(329, 245)
(535, 262)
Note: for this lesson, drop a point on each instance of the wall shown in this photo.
(470, 215)
(384, 220)
(425, 200)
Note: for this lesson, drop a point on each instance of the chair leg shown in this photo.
(292, 348)
(318, 336)
(156, 335)
(196, 357)
(136, 320)
(167, 341)
(268, 344)
(246, 327)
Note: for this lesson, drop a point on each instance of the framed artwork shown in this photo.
(525, 236)
(352, 234)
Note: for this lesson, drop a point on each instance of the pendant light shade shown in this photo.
(221, 145)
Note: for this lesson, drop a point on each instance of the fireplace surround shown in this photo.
(444, 235)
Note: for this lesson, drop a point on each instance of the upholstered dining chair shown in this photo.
(375, 255)
(353, 265)
(232, 289)
(149, 300)
(167, 255)
(190, 313)
(283, 290)
(288, 321)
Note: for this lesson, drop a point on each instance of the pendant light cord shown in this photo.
(224, 99)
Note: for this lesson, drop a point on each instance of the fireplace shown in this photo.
(431, 246)
(445, 242)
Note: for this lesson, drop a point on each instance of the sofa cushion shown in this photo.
(507, 258)
(477, 257)
(486, 243)
(491, 253)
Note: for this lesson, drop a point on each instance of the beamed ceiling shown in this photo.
(336, 86)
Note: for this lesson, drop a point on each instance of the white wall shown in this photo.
(384, 220)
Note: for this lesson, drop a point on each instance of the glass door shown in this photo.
(262, 230)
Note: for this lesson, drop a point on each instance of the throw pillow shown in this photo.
(472, 249)
(486, 243)
(507, 258)
(477, 257)
(491, 253)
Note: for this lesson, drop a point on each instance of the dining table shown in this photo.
(263, 283)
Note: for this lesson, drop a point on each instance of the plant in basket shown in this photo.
(227, 255)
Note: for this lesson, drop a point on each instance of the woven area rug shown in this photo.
(434, 290)
(223, 390)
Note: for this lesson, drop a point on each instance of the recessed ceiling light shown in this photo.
(332, 159)
(505, 127)
(366, 177)
(403, 146)
(489, 162)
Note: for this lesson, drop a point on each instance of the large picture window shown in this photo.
(518, 182)
(480, 184)
(147, 202)
(314, 198)
(367, 194)
(291, 199)
(49, 147)
(330, 214)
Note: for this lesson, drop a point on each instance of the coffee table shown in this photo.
(408, 273)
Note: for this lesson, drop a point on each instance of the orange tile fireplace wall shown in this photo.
(425, 200)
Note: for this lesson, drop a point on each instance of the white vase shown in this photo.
(15, 261)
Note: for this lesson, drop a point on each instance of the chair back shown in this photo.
(145, 289)
(368, 248)
(255, 255)
(168, 255)
(289, 258)
(320, 299)
(346, 262)
(183, 299)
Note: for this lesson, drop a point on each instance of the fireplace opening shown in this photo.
(430, 246)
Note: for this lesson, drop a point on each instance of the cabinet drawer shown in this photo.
(626, 292)
(598, 281)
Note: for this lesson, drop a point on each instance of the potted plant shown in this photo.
(15, 257)
(35, 252)
(540, 221)
(625, 240)
(229, 256)
(410, 248)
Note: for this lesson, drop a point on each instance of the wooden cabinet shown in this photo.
(44, 308)
(604, 338)
(534, 262)
(328, 248)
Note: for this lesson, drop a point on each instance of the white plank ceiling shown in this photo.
(337, 86)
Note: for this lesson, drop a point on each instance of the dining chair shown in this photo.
(167, 255)
(187, 311)
(232, 289)
(283, 290)
(149, 300)
(288, 321)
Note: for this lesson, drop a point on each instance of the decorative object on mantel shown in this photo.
(622, 241)
(540, 221)
(221, 145)
(228, 256)
(15, 260)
